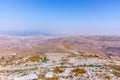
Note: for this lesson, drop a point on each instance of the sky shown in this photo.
(85, 17)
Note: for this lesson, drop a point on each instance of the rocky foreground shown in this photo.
(51, 66)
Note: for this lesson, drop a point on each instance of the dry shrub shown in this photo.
(34, 58)
(41, 76)
(116, 73)
(73, 55)
(107, 77)
(116, 67)
(58, 70)
(89, 55)
(63, 67)
(79, 71)
(52, 78)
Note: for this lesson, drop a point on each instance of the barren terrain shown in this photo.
(60, 58)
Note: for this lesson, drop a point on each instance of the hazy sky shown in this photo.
(61, 16)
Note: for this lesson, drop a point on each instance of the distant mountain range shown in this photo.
(25, 33)
(49, 42)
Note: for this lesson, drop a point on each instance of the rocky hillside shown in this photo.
(97, 45)
(59, 66)
(65, 58)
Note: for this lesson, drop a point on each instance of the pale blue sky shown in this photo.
(61, 16)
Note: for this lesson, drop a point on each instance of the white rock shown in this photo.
(49, 74)
(27, 77)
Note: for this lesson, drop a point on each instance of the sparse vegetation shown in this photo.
(48, 65)
(34, 58)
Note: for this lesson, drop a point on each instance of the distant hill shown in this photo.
(98, 45)
(29, 33)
